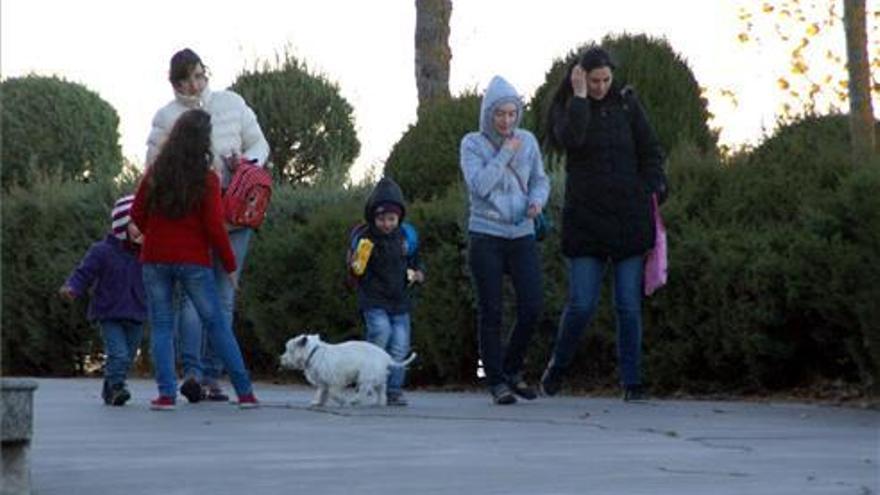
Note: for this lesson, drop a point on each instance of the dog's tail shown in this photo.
(404, 363)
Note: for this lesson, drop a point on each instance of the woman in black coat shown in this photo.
(614, 164)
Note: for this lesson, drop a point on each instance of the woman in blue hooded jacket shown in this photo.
(507, 189)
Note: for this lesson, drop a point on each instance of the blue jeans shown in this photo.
(198, 283)
(584, 286)
(122, 337)
(196, 353)
(490, 258)
(392, 333)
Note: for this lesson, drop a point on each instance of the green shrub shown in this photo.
(797, 167)
(850, 295)
(294, 278)
(662, 79)
(54, 127)
(772, 280)
(443, 322)
(308, 124)
(47, 229)
(425, 160)
(766, 267)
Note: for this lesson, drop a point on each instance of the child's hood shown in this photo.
(385, 191)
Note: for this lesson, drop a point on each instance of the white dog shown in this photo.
(333, 367)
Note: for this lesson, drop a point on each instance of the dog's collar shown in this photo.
(311, 354)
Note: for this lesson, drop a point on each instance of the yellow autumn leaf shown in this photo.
(767, 8)
(783, 84)
(799, 67)
(743, 37)
(812, 29)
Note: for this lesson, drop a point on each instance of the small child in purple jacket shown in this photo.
(117, 303)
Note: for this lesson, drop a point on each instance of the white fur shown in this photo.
(333, 367)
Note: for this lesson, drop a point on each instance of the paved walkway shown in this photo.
(446, 443)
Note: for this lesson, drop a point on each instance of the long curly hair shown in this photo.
(177, 179)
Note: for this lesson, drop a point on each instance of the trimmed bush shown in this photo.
(53, 127)
(772, 276)
(662, 79)
(444, 323)
(425, 160)
(47, 229)
(308, 124)
(295, 272)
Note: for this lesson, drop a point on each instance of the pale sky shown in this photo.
(121, 49)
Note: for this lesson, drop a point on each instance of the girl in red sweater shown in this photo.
(178, 208)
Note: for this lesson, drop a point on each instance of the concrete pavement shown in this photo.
(446, 443)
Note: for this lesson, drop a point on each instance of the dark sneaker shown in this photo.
(522, 389)
(502, 395)
(119, 395)
(634, 393)
(105, 393)
(397, 399)
(163, 403)
(191, 390)
(248, 402)
(214, 394)
(551, 382)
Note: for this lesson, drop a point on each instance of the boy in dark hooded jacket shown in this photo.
(386, 262)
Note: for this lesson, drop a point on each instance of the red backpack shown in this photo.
(247, 197)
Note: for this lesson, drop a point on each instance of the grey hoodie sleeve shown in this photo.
(482, 176)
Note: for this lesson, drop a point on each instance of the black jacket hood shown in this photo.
(385, 191)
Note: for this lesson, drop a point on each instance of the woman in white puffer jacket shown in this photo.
(235, 134)
(235, 128)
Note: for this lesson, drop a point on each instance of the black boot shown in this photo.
(634, 393)
(551, 380)
(119, 395)
(519, 387)
(105, 393)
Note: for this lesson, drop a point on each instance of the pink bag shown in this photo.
(655, 262)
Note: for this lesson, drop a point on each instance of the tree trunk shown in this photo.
(432, 49)
(861, 115)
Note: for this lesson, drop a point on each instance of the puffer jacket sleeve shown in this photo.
(159, 130)
(648, 150)
(253, 143)
(570, 122)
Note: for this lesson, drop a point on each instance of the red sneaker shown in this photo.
(248, 402)
(163, 403)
